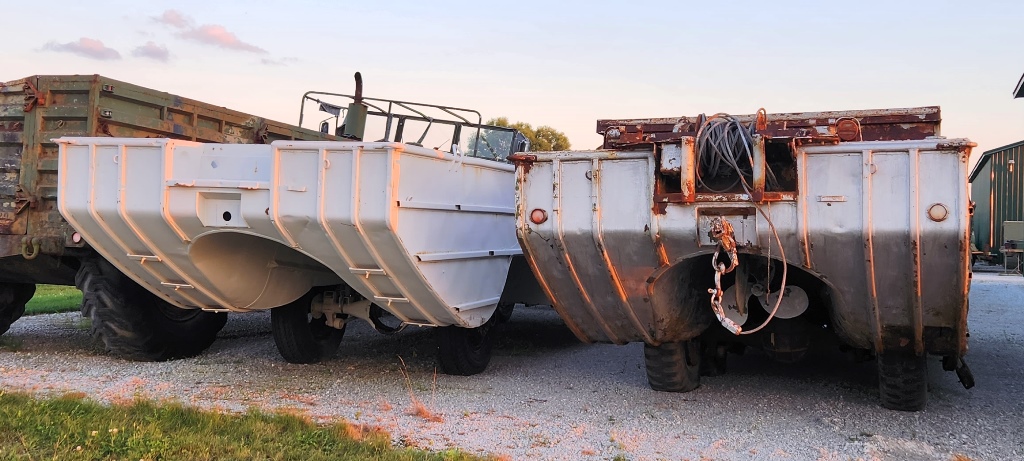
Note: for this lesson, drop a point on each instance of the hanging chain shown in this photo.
(722, 232)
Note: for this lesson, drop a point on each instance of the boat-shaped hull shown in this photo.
(424, 234)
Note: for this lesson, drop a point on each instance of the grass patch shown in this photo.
(10, 344)
(73, 428)
(50, 299)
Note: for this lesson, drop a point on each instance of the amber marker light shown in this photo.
(538, 216)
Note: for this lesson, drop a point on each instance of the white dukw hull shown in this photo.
(426, 235)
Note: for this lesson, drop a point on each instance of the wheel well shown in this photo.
(684, 287)
(253, 272)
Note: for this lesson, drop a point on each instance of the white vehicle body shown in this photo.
(424, 234)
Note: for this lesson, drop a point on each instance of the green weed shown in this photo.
(72, 428)
(51, 299)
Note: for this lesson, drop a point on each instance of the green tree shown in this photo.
(543, 138)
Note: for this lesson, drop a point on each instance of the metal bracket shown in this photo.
(332, 304)
(814, 140)
(23, 200)
(103, 128)
(34, 98)
(760, 160)
(260, 134)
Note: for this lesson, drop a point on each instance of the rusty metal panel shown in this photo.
(34, 110)
(881, 224)
(852, 125)
(12, 121)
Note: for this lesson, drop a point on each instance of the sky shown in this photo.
(561, 63)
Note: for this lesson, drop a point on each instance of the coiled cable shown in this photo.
(725, 146)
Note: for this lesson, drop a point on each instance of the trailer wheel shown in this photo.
(465, 351)
(674, 366)
(301, 338)
(903, 381)
(714, 359)
(134, 324)
(13, 297)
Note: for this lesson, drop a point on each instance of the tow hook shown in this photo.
(25, 251)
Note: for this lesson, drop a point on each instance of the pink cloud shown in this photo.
(88, 47)
(213, 34)
(174, 18)
(153, 51)
(210, 34)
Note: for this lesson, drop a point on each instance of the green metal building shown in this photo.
(996, 189)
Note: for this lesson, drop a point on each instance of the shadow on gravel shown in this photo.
(820, 364)
(531, 332)
(66, 333)
(534, 331)
(828, 370)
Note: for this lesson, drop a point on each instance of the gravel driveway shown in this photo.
(546, 396)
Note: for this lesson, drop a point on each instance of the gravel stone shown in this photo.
(547, 396)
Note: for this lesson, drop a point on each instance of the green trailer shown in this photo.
(37, 246)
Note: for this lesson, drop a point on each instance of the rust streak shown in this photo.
(769, 196)
(525, 161)
(866, 125)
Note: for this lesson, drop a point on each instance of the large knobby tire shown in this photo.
(134, 324)
(673, 366)
(13, 297)
(903, 381)
(465, 351)
(299, 337)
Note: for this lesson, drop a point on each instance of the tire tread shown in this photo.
(293, 337)
(903, 381)
(673, 366)
(456, 352)
(127, 320)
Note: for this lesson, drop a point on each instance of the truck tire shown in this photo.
(903, 381)
(465, 351)
(299, 337)
(13, 297)
(674, 366)
(134, 324)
